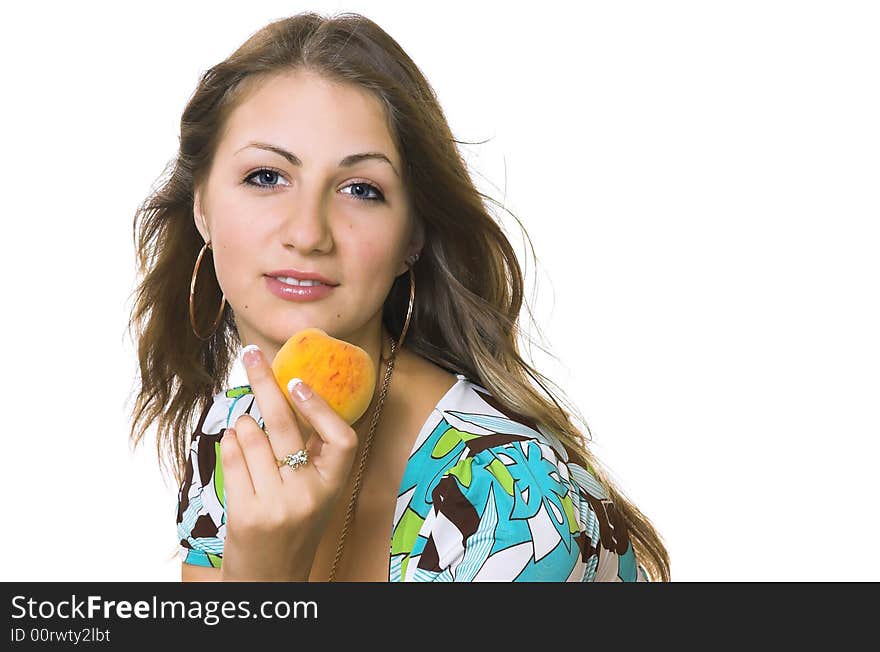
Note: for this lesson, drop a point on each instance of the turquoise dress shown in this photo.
(486, 495)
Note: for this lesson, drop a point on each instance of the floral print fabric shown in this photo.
(486, 495)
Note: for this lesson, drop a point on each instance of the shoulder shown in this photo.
(201, 507)
(488, 495)
(504, 502)
(471, 424)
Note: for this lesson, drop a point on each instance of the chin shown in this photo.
(296, 326)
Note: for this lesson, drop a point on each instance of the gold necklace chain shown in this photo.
(363, 463)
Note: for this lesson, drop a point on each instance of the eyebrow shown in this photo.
(348, 161)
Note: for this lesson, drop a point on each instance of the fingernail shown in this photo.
(250, 355)
(299, 389)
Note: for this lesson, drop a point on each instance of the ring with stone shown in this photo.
(295, 460)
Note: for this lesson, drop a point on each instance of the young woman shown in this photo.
(318, 185)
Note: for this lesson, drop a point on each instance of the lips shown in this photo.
(289, 280)
(297, 293)
(301, 275)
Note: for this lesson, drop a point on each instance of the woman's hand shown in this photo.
(275, 517)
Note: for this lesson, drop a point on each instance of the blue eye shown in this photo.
(264, 174)
(361, 190)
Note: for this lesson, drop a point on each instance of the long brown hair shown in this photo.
(468, 279)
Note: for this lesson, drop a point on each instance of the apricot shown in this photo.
(340, 372)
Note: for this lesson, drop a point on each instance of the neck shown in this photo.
(380, 353)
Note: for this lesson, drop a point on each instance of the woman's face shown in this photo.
(322, 208)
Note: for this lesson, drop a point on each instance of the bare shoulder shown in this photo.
(192, 573)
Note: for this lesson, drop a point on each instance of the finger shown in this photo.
(237, 486)
(278, 417)
(259, 456)
(338, 439)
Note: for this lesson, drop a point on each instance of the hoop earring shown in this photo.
(192, 292)
(411, 261)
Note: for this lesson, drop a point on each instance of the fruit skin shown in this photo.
(343, 374)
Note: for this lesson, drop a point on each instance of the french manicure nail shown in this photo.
(250, 355)
(299, 389)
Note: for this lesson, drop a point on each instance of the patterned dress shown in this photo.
(486, 495)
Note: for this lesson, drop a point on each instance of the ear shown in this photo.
(199, 216)
(418, 239)
(416, 243)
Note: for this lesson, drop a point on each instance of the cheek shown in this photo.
(234, 263)
(372, 258)
(375, 245)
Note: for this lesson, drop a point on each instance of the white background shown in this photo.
(700, 182)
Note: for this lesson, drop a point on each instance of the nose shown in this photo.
(306, 226)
